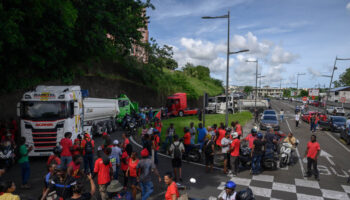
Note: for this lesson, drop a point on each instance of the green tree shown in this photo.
(248, 89)
(344, 79)
(304, 93)
(286, 92)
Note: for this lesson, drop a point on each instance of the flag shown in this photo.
(158, 115)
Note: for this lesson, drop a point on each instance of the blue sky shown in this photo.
(287, 37)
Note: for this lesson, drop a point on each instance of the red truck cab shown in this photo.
(177, 105)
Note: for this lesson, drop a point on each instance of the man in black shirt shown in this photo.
(257, 152)
(270, 139)
(62, 183)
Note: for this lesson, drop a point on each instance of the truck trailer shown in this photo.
(48, 112)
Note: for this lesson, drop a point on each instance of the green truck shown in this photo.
(126, 106)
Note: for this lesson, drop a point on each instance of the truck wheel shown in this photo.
(230, 112)
(181, 113)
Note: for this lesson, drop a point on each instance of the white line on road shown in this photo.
(298, 154)
(335, 139)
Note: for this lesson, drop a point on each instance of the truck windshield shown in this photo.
(39, 110)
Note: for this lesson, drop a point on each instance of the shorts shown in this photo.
(226, 156)
(209, 159)
(176, 162)
(133, 180)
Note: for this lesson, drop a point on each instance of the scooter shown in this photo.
(270, 158)
(244, 157)
(194, 153)
(286, 157)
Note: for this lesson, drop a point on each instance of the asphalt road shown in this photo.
(286, 183)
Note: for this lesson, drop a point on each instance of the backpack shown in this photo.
(177, 152)
(88, 147)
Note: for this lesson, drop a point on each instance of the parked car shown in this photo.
(345, 134)
(306, 116)
(334, 123)
(269, 121)
(336, 110)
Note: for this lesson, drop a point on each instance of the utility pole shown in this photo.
(256, 80)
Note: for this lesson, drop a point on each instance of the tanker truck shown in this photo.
(48, 112)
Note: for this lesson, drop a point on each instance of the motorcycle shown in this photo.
(7, 155)
(244, 156)
(270, 158)
(286, 157)
(130, 125)
(194, 154)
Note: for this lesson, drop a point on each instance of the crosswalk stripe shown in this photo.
(284, 187)
(307, 183)
(331, 194)
(346, 188)
(308, 197)
(265, 178)
(241, 181)
(264, 192)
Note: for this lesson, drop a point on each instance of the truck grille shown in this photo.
(44, 139)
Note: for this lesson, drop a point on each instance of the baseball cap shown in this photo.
(115, 142)
(144, 153)
(104, 134)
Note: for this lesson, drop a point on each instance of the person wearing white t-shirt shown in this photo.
(225, 142)
(229, 193)
(297, 119)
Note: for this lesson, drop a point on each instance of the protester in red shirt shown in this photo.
(124, 167)
(126, 141)
(66, 154)
(87, 147)
(155, 146)
(234, 148)
(74, 167)
(221, 134)
(312, 152)
(172, 193)
(158, 125)
(103, 169)
(251, 137)
(238, 128)
(76, 149)
(132, 173)
(54, 158)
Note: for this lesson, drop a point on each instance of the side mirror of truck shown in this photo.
(18, 109)
(76, 108)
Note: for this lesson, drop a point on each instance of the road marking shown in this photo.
(331, 194)
(241, 181)
(221, 186)
(166, 156)
(298, 154)
(327, 156)
(308, 197)
(346, 188)
(335, 139)
(265, 178)
(307, 183)
(284, 187)
(264, 192)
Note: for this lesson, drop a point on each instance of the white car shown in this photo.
(336, 110)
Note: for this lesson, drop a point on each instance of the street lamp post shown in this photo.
(256, 79)
(330, 83)
(298, 79)
(228, 56)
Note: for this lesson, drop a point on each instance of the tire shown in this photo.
(230, 112)
(281, 164)
(181, 113)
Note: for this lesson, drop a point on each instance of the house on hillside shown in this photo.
(337, 93)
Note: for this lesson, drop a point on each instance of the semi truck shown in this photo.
(126, 106)
(48, 112)
(177, 105)
(240, 104)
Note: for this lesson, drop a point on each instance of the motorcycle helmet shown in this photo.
(254, 130)
(230, 185)
(234, 135)
(260, 136)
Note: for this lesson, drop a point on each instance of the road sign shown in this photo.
(343, 99)
(304, 98)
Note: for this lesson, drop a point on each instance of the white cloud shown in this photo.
(314, 73)
(348, 6)
(273, 30)
(271, 58)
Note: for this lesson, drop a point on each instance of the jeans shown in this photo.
(313, 127)
(25, 172)
(282, 117)
(234, 164)
(256, 163)
(65, 160)
(312, 163)
(167, 142)
(89, 163)
(201, 143)
(297, 123)
(155, 157)
(116, 173)
(146, 189)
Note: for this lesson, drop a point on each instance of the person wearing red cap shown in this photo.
(77, 146)
(66, 154)
(87, 146)
(146, 166)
